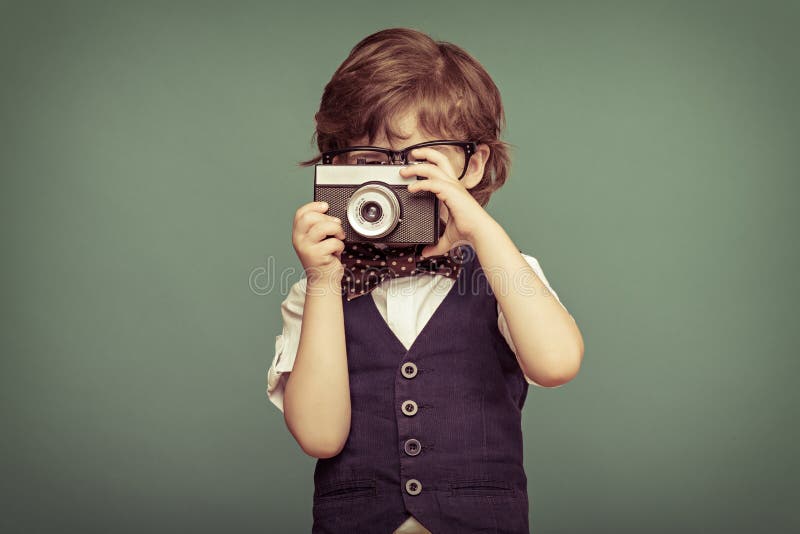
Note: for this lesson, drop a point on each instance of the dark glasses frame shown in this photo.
(469, 148)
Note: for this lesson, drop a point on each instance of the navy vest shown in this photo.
(435, 430)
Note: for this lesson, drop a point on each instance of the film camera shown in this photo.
(374, 204)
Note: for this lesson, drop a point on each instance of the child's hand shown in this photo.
(465, 216)
(319, 253)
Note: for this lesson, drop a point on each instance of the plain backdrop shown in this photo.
(148, 158)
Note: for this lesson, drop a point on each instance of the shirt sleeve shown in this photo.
(286, 342)
(502, 325)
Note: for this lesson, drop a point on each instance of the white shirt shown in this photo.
(405, 304)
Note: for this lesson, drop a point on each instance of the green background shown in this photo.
(148, 159)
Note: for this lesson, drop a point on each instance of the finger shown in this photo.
(440, 188)
(316, 206)
(442, 246)
(323, 229)
(436, 157)
(310, 218)
(332, 245)
(429, 171)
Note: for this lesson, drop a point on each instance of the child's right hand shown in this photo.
(318, 240)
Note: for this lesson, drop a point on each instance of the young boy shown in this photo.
(409, 391)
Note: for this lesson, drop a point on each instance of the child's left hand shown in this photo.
(465, 216)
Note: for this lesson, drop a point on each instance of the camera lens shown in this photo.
(371, 211)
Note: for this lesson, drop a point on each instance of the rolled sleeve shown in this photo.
(286, 343)
(502, 324)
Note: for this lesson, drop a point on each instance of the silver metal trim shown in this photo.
(358, 174)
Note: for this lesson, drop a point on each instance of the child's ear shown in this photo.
(477, 163)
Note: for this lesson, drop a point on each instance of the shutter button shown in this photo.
(409, 407)
(412, 447)
(413, 486)
(409, 370)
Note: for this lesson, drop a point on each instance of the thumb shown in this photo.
(434, 250)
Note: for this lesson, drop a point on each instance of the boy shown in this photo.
(409, 392)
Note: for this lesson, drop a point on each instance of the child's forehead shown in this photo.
(408, 132)
(395, 143)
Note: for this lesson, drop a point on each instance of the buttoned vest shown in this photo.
(435, 430)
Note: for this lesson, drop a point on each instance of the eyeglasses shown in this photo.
(371, 155)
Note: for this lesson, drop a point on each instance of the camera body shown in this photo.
(375, 206)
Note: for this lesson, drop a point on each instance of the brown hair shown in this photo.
(400, 69)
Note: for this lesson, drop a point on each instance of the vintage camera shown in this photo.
(374, 204)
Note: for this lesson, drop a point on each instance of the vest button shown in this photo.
(413, 486)
(412, 447)
(409, 407)
(409, 370)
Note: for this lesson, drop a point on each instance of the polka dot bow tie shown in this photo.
(366, 266)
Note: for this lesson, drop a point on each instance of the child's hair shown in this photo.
(400, 69)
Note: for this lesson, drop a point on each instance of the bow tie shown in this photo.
(366, 266)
